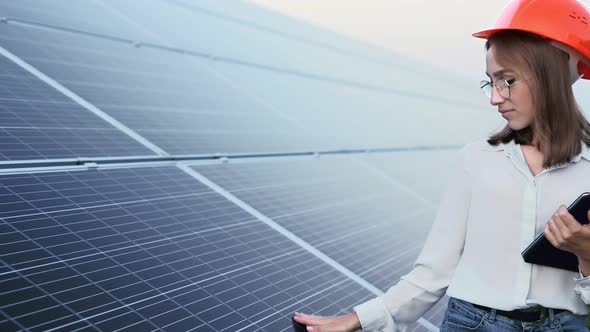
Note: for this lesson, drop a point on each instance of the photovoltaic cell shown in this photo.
(38, 122)
(371, 223)
(150, 248)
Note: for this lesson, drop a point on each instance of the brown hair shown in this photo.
(558, 120)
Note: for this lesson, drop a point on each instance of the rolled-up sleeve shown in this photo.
(583, 287)
(416, 292)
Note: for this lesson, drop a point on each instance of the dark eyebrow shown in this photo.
(500, 72)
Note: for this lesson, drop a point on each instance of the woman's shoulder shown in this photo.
(480, 151)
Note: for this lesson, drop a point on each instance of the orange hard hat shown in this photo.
(566, 22)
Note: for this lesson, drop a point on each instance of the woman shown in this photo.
(506, 190)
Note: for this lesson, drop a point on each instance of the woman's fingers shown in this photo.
(554, 231)
(559, 221)
(566, 233)
(328, 324)
(550, 236)
(572, 225)
(312, 316)
(310, 320)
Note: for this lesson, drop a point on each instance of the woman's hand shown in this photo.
(566, 233)
(346, 323)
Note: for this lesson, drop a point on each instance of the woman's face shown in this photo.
(518, 109)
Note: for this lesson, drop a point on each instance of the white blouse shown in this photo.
(491, 211)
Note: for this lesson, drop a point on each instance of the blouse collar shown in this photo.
(510, 149)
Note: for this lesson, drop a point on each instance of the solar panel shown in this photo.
(368, 221)
(170, 99)
(148, 248)
(38, 122)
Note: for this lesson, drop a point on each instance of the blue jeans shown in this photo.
(463, 316)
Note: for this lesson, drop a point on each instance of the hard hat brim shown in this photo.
(485, 34)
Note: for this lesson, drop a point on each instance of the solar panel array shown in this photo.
(148, 248)
(210, 166)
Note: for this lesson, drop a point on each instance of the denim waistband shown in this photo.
(531, 315)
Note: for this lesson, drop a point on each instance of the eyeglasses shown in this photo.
(502, 86)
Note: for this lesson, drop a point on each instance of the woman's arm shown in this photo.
(417, 291)
(427, 282)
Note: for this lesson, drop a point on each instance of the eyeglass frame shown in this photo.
(484, 83)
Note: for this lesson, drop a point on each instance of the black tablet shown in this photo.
(542, 252)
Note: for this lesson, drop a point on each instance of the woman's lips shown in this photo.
(506, 113)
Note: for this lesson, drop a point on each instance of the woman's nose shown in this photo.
(496, 98)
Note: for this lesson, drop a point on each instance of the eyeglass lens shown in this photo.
(501, 86)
